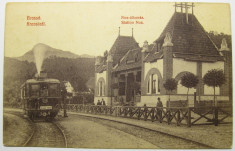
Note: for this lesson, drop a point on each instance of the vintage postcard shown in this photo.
(118, 75)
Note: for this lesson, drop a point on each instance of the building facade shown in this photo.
(129, 74)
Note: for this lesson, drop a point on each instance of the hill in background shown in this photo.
(61, 65)
(29, 56)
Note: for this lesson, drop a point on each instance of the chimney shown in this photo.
(145, 46)
(186, 12)
(132, 33)
(119, 31)
(41, 75)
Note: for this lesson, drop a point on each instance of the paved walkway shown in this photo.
(215, 136)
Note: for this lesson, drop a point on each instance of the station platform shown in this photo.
(220, 136)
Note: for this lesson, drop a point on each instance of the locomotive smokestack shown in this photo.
(42, 75)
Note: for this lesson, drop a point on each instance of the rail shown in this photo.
(172, 115)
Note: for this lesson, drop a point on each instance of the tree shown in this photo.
(214, 78)
(170, 85)
(189, 80)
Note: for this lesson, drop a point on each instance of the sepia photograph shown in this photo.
(117, 75)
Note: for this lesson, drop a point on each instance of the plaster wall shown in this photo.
(158, 64)
(205, 68)
(101, 75)
(180, 65)
(183, 90)
(151, 101)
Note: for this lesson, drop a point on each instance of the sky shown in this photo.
(92, 27)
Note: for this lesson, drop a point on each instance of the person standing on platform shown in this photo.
(98, 103)
(159, 108)
(103, 102)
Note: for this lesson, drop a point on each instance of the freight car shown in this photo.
(41, 97)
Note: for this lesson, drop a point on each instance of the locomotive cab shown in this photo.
(41, 97)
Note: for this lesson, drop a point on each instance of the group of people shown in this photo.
(159, 102)
(101, 103)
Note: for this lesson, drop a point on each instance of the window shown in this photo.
(53, 89)
(158, 85)
(44, 89)
(100, 88)
(153, 85)
(148, 86)
(35, 90)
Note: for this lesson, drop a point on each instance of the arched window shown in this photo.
(101, 87)
(153, 82)
(153, 85)
(148, 86)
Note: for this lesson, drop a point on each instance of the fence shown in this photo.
(172, 115)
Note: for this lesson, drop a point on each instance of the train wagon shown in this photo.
(41, 97)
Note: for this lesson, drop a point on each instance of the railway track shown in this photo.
(158, 138)
(49, 134)
(46, 134)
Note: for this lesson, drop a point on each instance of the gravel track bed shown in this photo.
(85, 133)
(46, 135)
(215, 136)
(16, 129)
(156, 138)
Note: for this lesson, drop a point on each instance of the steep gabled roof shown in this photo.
(101, 68)
(154, 54)
(188, 38)
(131, 60)
(121, 46)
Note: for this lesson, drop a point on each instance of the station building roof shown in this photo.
(121, 46)
(190, 40)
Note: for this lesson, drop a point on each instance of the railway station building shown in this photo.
(135, 75)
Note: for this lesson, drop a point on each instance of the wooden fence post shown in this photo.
(178, 117)
(153, 117)
(95, 109)
(139, 113)
(168, 116)
(216, 116)
(125, 112)
(116, 110)
(160, 115)
(189, 117)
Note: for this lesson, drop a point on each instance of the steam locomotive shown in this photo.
(41, 97)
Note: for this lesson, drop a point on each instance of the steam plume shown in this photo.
(39, 51)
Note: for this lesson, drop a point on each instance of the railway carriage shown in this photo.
(41, 97)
